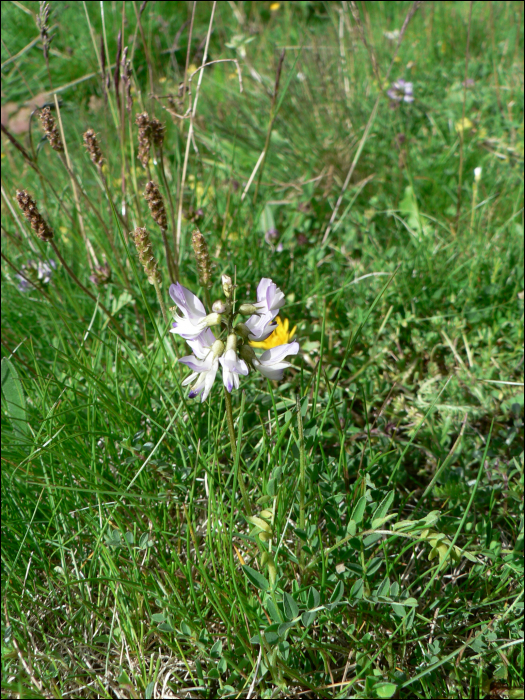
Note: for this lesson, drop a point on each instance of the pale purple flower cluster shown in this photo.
(401, 91)
(193, 324)
(39, 272)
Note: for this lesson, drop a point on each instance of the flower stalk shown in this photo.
(236, 457)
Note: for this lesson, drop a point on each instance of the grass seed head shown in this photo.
(202, 256)
(43, 27)
(30, 210)
(93, 148)
(157, 132)
(50, 129)
(146, 257)
(143, 122)
(156, 206)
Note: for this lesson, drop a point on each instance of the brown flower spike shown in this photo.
(93, 148)
(156, 206)
(146, 257)
(202, 255)
(143, 122)
(157, 132)
(30, 210)
(50, 129)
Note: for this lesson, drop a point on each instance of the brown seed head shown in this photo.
(146, 257)
(50, 129)
(156, 206)
(143, 122)
(93, 148)
(29, 209)
(202, 256)
(157, 132)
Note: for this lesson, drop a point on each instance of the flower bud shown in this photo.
(221, 307)
(246, 353)
(213, 319)
(477, 174)
(242, 330)
(248, 309)
(217, 348)
(227, 286)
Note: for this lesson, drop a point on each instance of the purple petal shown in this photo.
(277, 354)
(187, 302)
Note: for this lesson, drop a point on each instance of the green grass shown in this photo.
(130, 568)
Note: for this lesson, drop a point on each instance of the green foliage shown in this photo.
(397, 571)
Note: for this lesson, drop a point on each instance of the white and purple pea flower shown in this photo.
(193, 324)
(401, 91)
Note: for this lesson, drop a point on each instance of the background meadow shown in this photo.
(384, 554)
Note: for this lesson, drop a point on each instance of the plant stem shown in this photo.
(236, 453)
(161, 302)
(302, 475)
(302, 466)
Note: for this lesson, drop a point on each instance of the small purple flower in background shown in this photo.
(271, 236)
(38, 272)
(401, 91)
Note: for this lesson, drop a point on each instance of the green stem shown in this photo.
(302, 475)
(236, 453)
(302, 466)
(161, 301)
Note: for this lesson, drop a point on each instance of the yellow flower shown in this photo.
(463, 125)
(273, 7)
(280, 336)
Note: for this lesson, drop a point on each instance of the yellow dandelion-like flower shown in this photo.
(464, 125)
(273, 8)
(280, 336)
